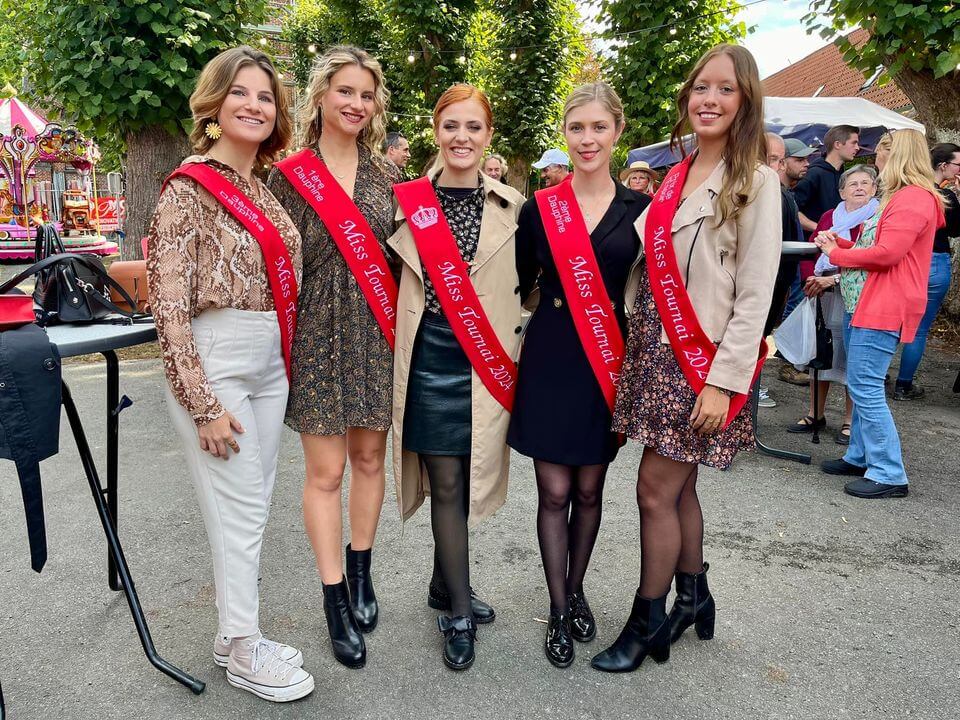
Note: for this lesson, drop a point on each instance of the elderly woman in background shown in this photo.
(640, 177)
(858, 186)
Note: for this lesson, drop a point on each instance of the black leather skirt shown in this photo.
(437, 416)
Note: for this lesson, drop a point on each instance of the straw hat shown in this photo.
(639, 166)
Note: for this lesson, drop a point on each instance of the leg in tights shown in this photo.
(584, 522)
(567, 535)
(691, 527)
(449, 483)
(437, 578)
(660, 483)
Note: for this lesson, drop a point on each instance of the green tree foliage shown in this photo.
(127, 67)
(12, 55)
(917, 42)
(654, 44)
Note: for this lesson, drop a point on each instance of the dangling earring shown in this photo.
(213, 130)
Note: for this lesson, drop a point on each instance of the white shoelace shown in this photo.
(265, 655)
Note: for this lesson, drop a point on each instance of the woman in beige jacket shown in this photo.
(726, 242)
(449, 432)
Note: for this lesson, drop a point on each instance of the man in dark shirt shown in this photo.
(787, 271)
(819, 190)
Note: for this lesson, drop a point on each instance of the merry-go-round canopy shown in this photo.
(13, 112)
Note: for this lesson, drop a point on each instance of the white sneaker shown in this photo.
(223, 644)
(254, 666)
(765, 401)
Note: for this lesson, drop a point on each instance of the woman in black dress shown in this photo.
(561, 418)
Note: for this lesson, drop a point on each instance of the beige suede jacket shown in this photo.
(728, 271)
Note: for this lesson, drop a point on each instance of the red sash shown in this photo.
(450, 276)
(692, 347)
(583, 285)
(351, 232)
(283, 283)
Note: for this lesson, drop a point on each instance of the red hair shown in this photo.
(458, 93)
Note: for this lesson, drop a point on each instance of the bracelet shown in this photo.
(728, 393)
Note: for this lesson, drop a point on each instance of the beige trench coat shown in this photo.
(494, 275)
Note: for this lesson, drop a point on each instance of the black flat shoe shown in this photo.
(558, 643)
(647, 632)
(459, 635)
(693, 606)
(806, 424)
(583, 627)
(907, 392)
(870, 490)
(363, 600)
(842, 467)
(439, 599)
(345, 636)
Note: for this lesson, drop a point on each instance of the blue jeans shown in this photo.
(794, 297)
(936, 292)
(874, 442)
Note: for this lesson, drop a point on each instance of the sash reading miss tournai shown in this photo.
(283, 282)
(351, 232)
(583, 285)
(692, 347)
(450, 276)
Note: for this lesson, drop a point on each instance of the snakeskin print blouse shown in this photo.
(200, 257)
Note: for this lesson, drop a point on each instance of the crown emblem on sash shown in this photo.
(425, 217)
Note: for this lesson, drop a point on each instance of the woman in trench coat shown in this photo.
(470, 481)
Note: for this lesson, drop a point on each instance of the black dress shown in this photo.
(559, 414)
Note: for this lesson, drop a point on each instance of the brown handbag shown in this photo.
(131, 275)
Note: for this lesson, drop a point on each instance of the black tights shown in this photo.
(449, 477)
(671, 522)
(567, 534)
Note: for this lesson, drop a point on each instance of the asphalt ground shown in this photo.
(828, 606)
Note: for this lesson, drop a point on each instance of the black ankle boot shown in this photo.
(363, 600)
(558, 643)
(582, 625)
(647, 632)
(348, 645)
(693, 606)
(439, 599)
(459, 635)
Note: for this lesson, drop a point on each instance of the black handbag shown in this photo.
(824, 357)
(71, 287)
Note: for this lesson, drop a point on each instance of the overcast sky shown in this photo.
(780, 39)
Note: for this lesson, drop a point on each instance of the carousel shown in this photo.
(28, 140)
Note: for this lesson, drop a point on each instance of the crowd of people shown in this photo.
(349, 304)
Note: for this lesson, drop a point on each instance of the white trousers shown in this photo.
(241, 356)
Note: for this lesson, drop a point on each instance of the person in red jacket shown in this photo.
(888, 302)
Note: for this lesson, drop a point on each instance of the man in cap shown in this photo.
(795, 163)
(554, 166)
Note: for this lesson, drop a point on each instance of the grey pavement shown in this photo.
(829, 606)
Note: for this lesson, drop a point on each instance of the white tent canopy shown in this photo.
(806, 119)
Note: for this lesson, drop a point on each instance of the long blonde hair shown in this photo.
(746, 144)
(908, 164)
(599, 92)
(212, 87)
(324, 68)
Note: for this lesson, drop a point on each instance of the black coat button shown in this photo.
(49, 364)
(518, 329)
(516, 290)
(504, 203)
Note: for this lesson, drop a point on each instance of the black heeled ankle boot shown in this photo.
(582, 625)
(348, 645)
(693, 606)
(647, 632)
(459, 635)
(558, 643)
(439, 599)
(363, 600)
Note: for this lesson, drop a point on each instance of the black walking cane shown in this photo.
(822, 361)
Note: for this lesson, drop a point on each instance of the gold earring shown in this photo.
(213, 130)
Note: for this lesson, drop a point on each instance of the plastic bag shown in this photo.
(796, 337)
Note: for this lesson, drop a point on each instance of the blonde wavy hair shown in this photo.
(324, 68)
(746, 144)
(212, 87)
(599, 92)
(908, 164)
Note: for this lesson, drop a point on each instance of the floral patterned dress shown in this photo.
(654, 400)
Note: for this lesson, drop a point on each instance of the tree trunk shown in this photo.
(518, 174)
(152, 153)
(937, 102)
